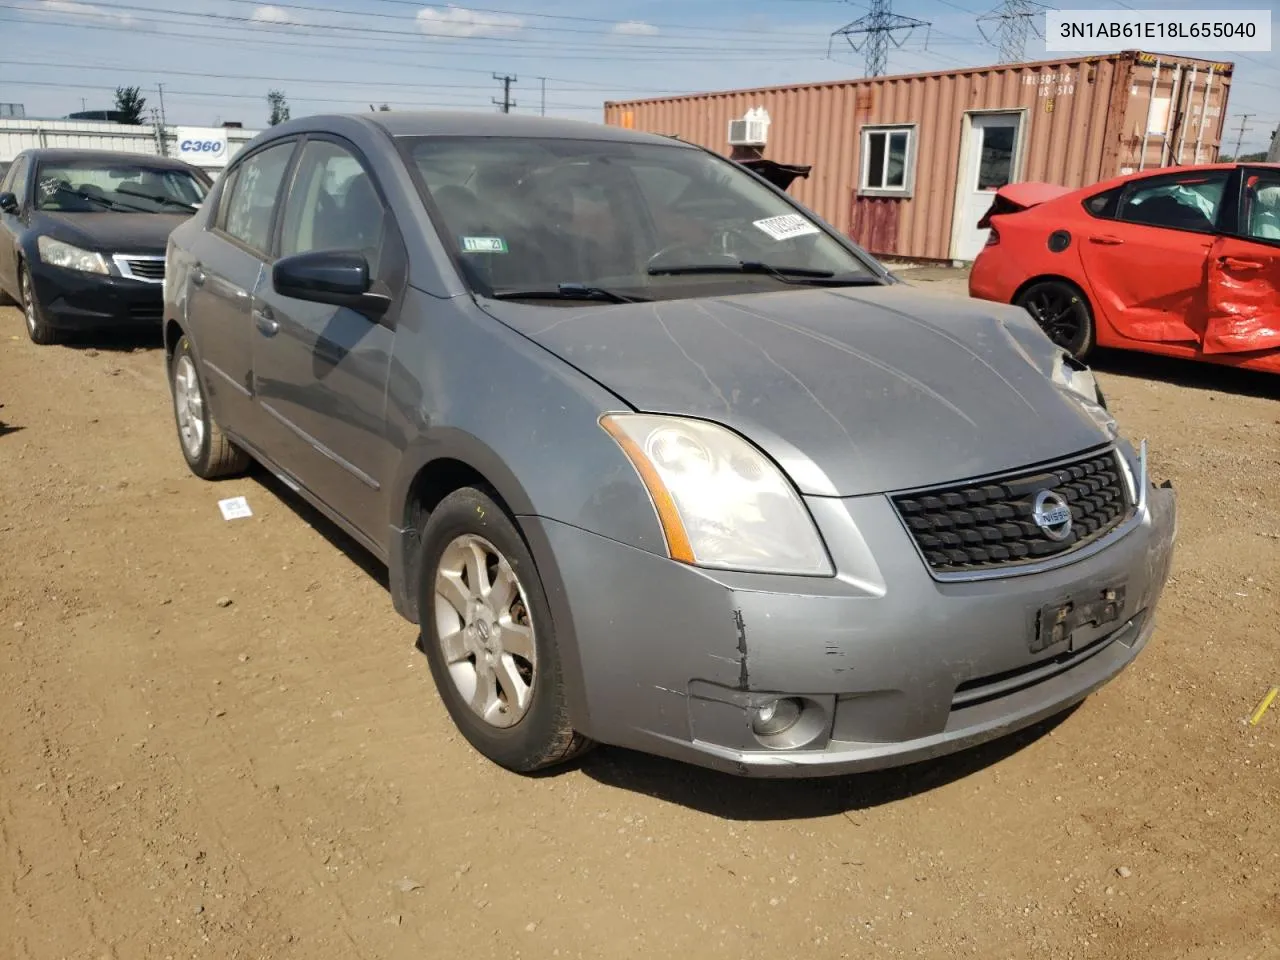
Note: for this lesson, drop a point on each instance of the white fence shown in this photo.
(17, 135)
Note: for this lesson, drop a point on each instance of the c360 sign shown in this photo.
(203, 146)
(212, 147)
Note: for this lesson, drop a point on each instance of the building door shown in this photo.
(989, 158)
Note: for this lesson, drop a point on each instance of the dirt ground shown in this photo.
(218, 741)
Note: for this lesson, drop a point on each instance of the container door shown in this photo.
(990, 161)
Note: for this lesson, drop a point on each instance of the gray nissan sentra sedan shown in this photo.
(654, 456)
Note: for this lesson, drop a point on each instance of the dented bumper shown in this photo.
(890, 665)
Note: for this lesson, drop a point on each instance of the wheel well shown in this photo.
(433, 482)
(172, 333)
(1043, 278)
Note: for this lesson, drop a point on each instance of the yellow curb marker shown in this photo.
(1262, 706)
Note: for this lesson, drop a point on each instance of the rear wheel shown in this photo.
(488, 636)
(1063, 314)
(37, 328)
(207, 450)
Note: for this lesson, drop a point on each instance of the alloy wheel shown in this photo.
(188, 403)
(484, 630)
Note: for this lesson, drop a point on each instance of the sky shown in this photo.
(217, 59)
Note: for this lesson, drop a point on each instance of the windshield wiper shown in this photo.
(569, 291)
(156, 198)
(800, 275)
(84, 195)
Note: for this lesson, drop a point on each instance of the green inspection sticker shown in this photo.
(484, 245)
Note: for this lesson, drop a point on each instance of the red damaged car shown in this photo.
(1181, 261)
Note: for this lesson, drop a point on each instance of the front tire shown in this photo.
(38, 328)
(487, 633)
(1063, 313)
(207, 450)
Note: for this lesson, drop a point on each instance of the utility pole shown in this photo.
(506, 103)
(1010, 23)
(1244, 119)
(164, 140)
(544, 95)
(877, 29)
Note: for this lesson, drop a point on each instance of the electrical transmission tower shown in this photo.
(506, 103)
(877, 29)
(1009, 24)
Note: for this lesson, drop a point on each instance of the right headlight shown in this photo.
(58, 253)
(722, 503)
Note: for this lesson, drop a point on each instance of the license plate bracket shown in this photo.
(1057, 623)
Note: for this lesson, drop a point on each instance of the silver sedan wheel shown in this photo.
(486, 636)
(28, 304)
(188, 403)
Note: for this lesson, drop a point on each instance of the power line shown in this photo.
(415, 33)
(878, 28)
(1010, 23)
(506, 103)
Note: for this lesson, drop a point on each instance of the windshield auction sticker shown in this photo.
(484, 245)
(1173, 31)
(786, 226)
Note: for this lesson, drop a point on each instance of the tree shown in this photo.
(279, 107)
(130, 104)
(378, 109)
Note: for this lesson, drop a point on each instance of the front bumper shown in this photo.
(892, 665)
(75, 300)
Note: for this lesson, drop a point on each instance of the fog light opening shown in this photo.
(775, 717)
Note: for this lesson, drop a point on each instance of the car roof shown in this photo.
(473, 123)
(62, 155)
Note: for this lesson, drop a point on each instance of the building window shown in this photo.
(888, 161)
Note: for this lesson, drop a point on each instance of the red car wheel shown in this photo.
(1063, 313)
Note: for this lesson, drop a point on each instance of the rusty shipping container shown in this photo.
(907, 165)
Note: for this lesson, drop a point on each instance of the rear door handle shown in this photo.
(1107, 241)
(266, 321)
(1235, 264)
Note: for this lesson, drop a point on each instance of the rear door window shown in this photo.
(1185, 201)
(252, 199)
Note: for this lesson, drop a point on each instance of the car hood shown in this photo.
(110, 232)
(852, 390)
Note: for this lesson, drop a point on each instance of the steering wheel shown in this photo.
(705, 253)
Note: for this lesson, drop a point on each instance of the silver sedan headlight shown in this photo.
(56, 253)
(1078, 381)
(722, 503)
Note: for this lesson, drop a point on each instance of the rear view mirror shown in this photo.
(337, 277)
(8, 202)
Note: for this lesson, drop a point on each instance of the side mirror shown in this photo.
(337, 277)
(8, 202)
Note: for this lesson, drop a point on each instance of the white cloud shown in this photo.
(76, 9)
(270, 14)
(454, 21)
(635, 28)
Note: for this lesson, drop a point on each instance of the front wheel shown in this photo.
(37, 328)
(1063, 314)
(487, 634)
(207, 450)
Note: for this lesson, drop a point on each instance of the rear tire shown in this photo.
(38, 328)
(487, 633)
(207, 450)
(1063, 312)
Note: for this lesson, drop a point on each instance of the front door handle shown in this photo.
(1107, 241)
(1233, 264)
(266, 321)
(197, 277)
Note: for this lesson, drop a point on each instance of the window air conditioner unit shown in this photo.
(750, 131)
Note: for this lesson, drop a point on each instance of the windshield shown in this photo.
(626, 220)
(94, 187)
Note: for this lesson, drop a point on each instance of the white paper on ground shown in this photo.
(235, 509)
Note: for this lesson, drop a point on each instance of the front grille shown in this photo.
(980, 526)
(146, 269)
